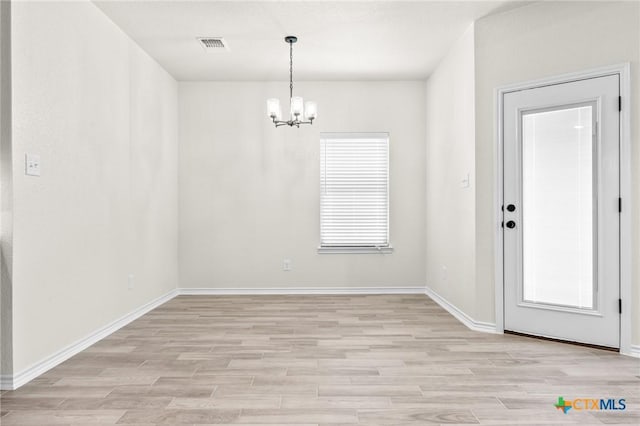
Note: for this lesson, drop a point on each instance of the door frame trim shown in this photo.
(626, 270)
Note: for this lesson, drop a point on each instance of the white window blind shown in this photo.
(354, 190)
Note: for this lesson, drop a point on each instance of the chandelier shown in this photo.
(299, 110)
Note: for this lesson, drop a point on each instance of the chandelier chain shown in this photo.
(290, 71)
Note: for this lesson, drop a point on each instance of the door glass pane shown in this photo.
(558, 207)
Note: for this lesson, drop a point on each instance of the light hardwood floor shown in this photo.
(320, 360)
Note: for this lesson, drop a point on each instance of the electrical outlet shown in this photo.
(32, 165)
(286, 265)
(130, 281)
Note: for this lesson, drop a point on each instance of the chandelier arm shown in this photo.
(292, 123)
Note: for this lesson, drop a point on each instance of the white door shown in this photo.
(561, 211)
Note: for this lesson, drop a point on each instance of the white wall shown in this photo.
(249, 193)
(6, 210)
(536, 41)
(103, 118)
(450, 207)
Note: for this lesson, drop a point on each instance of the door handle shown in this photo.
(511, 224)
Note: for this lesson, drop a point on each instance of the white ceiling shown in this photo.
(338, 40)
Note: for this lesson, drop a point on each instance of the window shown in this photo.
(354, 192)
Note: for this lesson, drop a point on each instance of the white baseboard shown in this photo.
(30, 373)
(485, 327)
(300, 290)
(634, 351)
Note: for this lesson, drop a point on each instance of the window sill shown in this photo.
(355, 250)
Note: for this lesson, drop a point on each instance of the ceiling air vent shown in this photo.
(213, 44)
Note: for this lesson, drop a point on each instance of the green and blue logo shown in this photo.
(597, 404)
(563, 405)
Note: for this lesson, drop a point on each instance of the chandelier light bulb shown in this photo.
(310, 110)
(297, 106)
(273, 108)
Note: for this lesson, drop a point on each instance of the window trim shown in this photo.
(385, 249)
(354, 250)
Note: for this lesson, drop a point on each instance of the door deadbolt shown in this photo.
(511, 208)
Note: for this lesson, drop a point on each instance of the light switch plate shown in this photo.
(464, 183)
(32, 165)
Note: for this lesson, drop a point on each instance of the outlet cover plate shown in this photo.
(32, 165)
